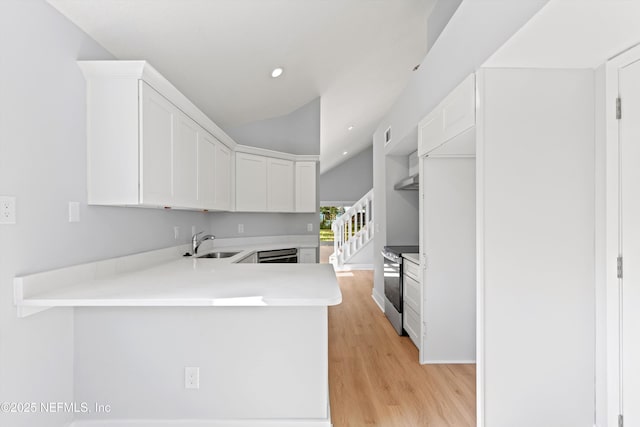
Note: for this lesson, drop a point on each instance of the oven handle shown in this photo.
(276, 258)
(391, 257)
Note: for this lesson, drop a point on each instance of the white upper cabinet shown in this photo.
(280, 190)
(266, 184)
(450, 119)
(251, 183)
(305, 184)
(148, 145)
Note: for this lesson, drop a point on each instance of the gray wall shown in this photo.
(42, 163)
(297, 132)
(475, 31)
(402, 205)
(348, 181)
(225, 224)
(438, 19)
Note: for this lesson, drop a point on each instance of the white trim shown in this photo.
(480, 352)
(142, 70)
(378, 299)
(613, 238)
(204, 423)
(276, 154)
(449, 362)
(353, 267)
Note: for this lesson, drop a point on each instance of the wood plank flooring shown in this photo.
(374, 375)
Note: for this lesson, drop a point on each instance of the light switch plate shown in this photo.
(7, 210)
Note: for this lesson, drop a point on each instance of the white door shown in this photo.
(280, 185)
(251, 183)
(223, 177)
(185, 163)
(156, 141)
(206, 170)
(629, 127)
(306, 187)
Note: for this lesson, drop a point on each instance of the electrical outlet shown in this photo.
(176, 232)
(7, 210)
(309, 227)
(74, 212)
(192, 377)
(240, 228)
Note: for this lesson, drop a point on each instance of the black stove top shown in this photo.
(399, 250)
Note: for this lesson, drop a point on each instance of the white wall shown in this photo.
(350, 180)
(474, 32)
(536, 260)
(255, 362)
(42, 163)
(600, 248)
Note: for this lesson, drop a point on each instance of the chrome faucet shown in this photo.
(196, 242)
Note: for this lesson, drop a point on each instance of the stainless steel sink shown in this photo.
(218, 255)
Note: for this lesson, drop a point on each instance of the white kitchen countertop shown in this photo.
(203, 282)
(182, 282)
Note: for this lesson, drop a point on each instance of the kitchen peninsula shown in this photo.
(257, 333)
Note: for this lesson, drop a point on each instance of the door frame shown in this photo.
(613, 232)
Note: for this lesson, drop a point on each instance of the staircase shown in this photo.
(352, 231)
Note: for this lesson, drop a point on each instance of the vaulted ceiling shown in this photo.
(357, 55)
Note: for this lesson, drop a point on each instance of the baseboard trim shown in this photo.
(378, 299)
(449, 362)
(203, 423)
(353, 267)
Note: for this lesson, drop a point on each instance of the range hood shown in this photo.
(411, 183)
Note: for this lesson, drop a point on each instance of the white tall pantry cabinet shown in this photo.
(536, 285)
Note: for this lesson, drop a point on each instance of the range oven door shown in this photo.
(392, 283)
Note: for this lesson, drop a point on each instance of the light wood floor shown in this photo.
(374, 375)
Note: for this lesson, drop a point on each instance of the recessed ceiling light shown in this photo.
(277, 72)
(350, 128)
(344, 153)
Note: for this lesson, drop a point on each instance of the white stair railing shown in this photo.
(353, 229)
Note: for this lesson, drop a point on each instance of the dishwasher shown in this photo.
(282, 256)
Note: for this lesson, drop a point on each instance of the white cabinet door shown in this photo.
(185, 163)
(307, 256)
(207, 145)
(459, 109)
(430, 132)
(280, 190)
(306, 187)
(158, 118)
(222, 177)
(454, 115)
(251, 183)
